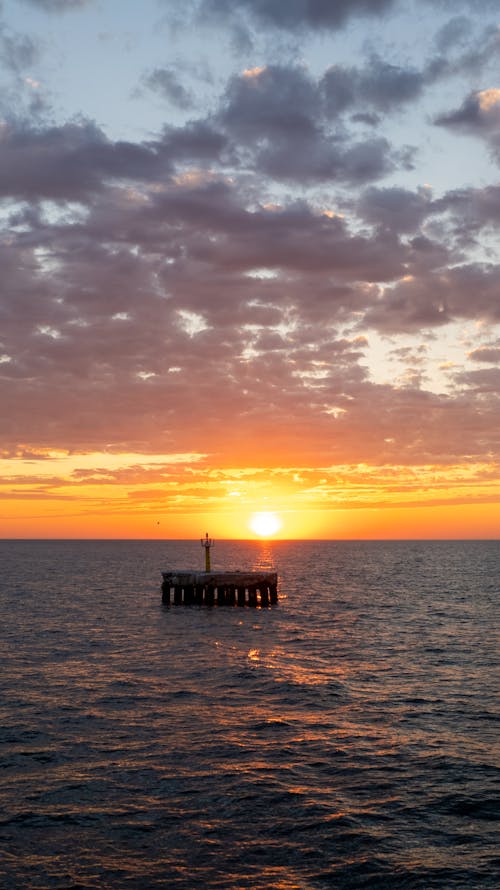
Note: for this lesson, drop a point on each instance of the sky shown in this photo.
(249, 259)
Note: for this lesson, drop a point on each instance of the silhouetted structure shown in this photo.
(223, 588)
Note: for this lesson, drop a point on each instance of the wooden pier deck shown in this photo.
(221, 588)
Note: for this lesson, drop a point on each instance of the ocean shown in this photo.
(346, 737)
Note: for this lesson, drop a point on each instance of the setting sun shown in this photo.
(265, 524)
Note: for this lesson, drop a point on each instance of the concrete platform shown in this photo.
(223, 588)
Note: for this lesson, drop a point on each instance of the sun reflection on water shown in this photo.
(264, 557)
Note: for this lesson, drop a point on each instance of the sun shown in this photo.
(265, 524)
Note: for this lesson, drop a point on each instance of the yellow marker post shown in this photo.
(207, 543)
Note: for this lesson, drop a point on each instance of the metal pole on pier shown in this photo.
(207, 543)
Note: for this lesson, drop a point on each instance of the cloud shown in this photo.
(317, 159)
(221, 232)
(285, 98)
(479, 115)
(94, 305)
(395, 208)
(247, 18)
(485, 382)
(435, 299)
(378, 85)
(271, 102)
(17, 51)
(166, 82)
(59, 5)
(469, 216)
(69, 162)
(479, 6)
(456, 32)
(197, 141)
(477, 207)
(489, 354)
(460, 48)
(147, 488)
(479, 111)
(293, 15)
(278, 117)
(233, 277)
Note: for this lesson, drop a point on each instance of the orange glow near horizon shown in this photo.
(460, 522)
(57, 495)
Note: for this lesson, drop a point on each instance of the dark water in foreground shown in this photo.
(344, 738)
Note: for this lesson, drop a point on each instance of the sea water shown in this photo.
(346, 737)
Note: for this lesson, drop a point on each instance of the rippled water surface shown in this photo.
(345, 738)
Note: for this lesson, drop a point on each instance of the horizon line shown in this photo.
(257, 540)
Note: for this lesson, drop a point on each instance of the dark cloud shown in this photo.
(437, 298)
(271, 102)
(59, 5)
(488, 354)
(220, 231)
(282, 99)
(319, 160)
(167, 83)
(456, 32)
(479, 115)
(367, 118)
(395, 208)
(379, 85)
(461, 49)
(470, 213)
(314, 15)
(17, 51)
(69, 162)
(196, 141)
(479, 111)
(483, 382)
(294, 14)
(479, 206)
(279, 115)
(478, 6)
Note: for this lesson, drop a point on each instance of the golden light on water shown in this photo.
(265, 524)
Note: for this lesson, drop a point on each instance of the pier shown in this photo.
(220, 588)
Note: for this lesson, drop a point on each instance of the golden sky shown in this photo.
(181, 496)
